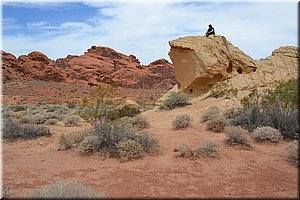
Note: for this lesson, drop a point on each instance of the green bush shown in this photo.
(293, 153)
(89, 145)
(207, 148)
(72, 120)
(14, 130)
(176, 99)
(129, 149)
(66, 189)
(217, 124)
(237, 136)
(182, 121)
(224, 89)
(212, 112)
(266, 133)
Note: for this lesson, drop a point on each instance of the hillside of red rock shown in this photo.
(99, 65)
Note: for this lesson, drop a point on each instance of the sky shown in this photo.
(143, 28)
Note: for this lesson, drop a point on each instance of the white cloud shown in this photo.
(144, 28)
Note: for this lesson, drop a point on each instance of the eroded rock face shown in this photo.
(98, 65)
(201, 61)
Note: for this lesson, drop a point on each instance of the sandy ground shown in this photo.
(261, 172)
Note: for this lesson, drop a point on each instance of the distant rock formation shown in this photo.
(200, 62)
(99, 65)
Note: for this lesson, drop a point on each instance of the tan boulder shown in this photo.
(201, 61)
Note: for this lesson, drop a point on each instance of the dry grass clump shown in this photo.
(72, 120)
(66, 189)
(237, 136)
(217, 125)
(212, 112)
(293, 153)
(266, 133)
(207, 148)
(129, 149)
(184, 150)
(149, 143)
(182, 121)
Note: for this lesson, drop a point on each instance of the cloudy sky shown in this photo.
(143, 28)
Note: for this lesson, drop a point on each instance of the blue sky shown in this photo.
(143, 28)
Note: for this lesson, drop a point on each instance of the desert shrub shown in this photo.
(38, 118)
(65, 141)
(231, 113)
(53, 108)
(182, 121)
(184, 150)
(66, 189)
(71, 104)
(138, 122)
(276, 107)
(207, 148)
(26, 119)
(52, 116)
(128, 111)
(129, 149)
(176, 99)
(266, 133)
(293, 153)
(149, 143)
(237, 136)
(72, 120)
(51, 121)
(18, 107)
(6, 113)
(217, 125)
(88, 145)
(14, 130)
(211, 113)
(95, 107)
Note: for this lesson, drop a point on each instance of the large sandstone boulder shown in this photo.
(200, 62)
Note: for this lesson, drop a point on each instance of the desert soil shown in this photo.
(261, 172)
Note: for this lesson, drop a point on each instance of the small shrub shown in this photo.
(5, 191)
(266, 133)
(128, 111)
(65, 142)
(51, 121)
(139, 122)
(176, 99)
(184, 150)
(149, 143)
(217, 124)
(26, 119)
(88, 145)
(237, 136)
(72, 120)
(38, 118)
(15, 130)
(232, 112)
(65, 189)
(18, 107)
(207, 148)
(182, 121)
(211, 113)
(293, 153)
(53, 108)
(129, 149)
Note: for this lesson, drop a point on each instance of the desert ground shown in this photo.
(263, 171)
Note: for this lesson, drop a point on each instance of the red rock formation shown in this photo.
(99, 65)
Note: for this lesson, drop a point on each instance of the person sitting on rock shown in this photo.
(210, 31)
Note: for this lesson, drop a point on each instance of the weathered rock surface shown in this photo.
(201, 61)
(99, 65)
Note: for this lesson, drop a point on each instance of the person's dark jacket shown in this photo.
(210, 31)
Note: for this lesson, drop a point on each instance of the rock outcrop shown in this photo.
(200, 62)
(99, 65)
